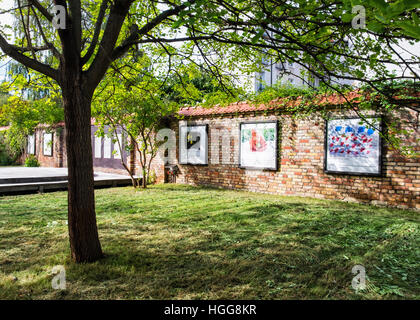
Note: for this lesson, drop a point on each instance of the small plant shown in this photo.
(151, 179)
(31, 161)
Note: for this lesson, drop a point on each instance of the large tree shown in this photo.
(221, 34)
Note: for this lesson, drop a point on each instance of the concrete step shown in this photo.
(29, 187)
(14, 180)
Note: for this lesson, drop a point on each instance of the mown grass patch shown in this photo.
(183, 242)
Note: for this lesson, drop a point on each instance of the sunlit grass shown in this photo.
(182, 242)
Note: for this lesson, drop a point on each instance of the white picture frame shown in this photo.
(193, 144)
(258, 145)
(47, 144)
(353, 146)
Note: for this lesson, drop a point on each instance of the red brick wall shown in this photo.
(59, 156)
(156, 168)
(301, 165)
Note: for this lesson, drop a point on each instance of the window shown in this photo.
(98, 147)
(280, 66)
(260, 82)
(117, 154)
(107, 147)
(31, 144)
(47, 144)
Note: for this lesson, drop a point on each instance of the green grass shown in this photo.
(182, 242)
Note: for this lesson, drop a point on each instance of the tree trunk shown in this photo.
(144, 179)
(83, 232)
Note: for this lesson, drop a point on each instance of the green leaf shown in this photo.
(375, 26)
(381, 18)
(177, 23)
(409, 29)
(379, 4)
(257, 37)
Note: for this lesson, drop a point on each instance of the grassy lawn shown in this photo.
(182, 242)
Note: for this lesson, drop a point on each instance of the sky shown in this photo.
(7, 19)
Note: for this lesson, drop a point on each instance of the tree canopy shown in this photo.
(223, 36)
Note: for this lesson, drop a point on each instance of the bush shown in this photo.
(31, 161)
(5, 157)
(152, 178)
(5, 160)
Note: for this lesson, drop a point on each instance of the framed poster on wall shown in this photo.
(48, 143)
(193, 144)
(353, 146)
(258, 145)
(31, 144)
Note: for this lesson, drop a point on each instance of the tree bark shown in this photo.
(83, 232)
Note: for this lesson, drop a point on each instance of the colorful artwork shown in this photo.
(353, 146)
(193, 144)
(258, 145)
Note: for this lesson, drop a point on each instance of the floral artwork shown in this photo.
(257, 142)
(258, 145)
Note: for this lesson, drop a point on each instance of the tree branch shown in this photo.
(100, 64)
(76, 23)
(41, 9)
(136, 33)
(54, 50)
(12, 52)
(97, 31)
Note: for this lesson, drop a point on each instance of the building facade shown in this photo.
(300, 168)
(47, 144)
(303, 156)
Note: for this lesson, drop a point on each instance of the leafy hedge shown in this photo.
(6, 158)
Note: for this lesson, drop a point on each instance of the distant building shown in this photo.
(287, 73)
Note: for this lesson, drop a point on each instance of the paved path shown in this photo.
(24, 172)
(23, 179)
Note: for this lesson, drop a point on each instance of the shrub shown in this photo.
(31, 161)
(5, 160)
(5, 157)
(151, 178)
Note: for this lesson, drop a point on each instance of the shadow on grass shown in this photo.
(267, 252)
(193, 243)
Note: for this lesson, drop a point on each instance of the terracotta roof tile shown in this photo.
(244, 107)
(279, 103)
